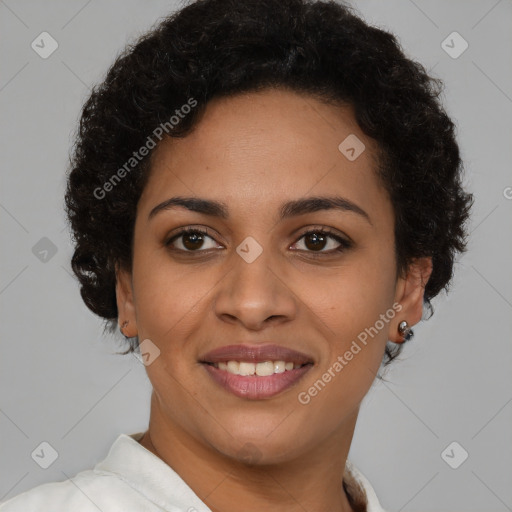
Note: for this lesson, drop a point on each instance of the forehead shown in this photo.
(256, 150)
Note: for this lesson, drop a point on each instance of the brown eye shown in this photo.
(318, 240)
(315, 241)
(193, 240)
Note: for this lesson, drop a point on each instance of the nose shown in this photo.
(256, 294)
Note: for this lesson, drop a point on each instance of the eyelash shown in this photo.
(344, 244)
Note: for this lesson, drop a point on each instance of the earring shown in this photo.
(404, 330)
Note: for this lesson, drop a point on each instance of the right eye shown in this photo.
(192, 240)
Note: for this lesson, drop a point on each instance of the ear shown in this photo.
(125, 302)
(409, 294)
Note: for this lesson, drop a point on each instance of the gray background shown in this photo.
(61, 382)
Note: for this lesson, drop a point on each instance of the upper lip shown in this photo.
(255, 354)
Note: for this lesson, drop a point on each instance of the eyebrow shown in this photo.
(287, 210)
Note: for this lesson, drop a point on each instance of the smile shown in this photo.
(263, 369)
(256, 372)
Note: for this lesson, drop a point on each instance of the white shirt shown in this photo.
(130, 478)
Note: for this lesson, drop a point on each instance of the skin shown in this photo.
(254, 152)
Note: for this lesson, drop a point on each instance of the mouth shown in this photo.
(261, 369)
(256, 372)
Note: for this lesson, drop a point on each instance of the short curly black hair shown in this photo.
(219, 48)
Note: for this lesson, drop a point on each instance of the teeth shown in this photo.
(279, 366)
(233, 367)
(261, 369)
(246, 368)
(265, 369)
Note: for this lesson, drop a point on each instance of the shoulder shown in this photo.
(88, 491)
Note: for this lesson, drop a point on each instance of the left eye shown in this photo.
(315, 241)
(318, 239)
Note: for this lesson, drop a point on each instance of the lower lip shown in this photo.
(255, 387)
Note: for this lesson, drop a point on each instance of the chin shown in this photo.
(260, 448)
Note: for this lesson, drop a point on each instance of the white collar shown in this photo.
(158, 482)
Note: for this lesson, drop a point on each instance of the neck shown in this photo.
(312, 482)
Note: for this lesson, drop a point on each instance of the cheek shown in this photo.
(358, 324)
(350, 300)
(354, 308)
(168, 296)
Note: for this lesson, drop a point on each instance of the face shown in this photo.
(266, 275)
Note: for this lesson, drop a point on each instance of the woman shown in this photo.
(264, 195)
